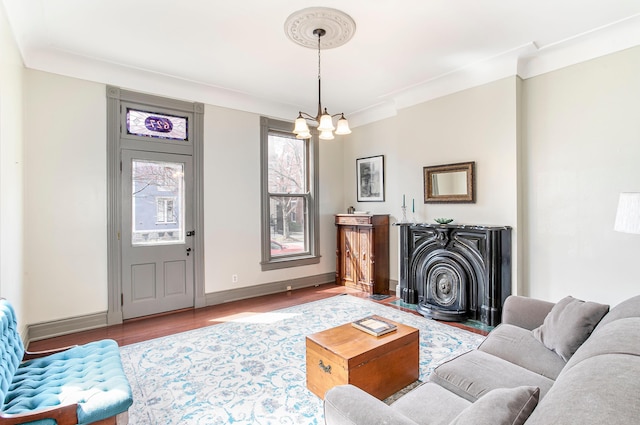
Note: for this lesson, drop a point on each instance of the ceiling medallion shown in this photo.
(338, 26)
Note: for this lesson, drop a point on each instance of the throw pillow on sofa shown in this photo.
(569, 324)
(502, 406)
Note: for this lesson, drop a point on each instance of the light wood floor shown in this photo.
(137, 330)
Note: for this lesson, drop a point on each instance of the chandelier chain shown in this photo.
(319, 56)
(320, 33)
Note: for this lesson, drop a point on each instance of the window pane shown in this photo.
(287, 164)
(157, 203)
(289, 185)
(288, 227)
(146, 124)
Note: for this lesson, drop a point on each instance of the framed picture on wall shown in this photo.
(370, 179)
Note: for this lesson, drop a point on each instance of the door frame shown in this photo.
(115, 98)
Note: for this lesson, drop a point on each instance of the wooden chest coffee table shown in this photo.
(379, 365)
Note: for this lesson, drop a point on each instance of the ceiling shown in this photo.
(236, 54)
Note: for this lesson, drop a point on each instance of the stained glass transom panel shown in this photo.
(159, 126)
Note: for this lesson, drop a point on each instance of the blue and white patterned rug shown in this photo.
(251, 369)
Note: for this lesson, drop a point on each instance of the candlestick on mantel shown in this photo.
(403, 205)
(413, 206)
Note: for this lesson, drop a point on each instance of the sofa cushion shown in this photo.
(569, 324)
(520, 347)
(627, 308)
(475, 373)
(502, 406)
(621, 336)
(430, 404)
(599, 390)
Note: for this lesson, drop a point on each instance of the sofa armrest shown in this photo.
(63, 415)
(524, 312)
(349, 405)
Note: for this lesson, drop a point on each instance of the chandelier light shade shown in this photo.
(628, 214)
(300, 128)
(337, 28)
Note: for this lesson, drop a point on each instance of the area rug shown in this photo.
(251, 369)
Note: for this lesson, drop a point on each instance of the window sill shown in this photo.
(284, 263)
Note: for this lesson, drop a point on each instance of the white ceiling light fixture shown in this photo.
(321, 27)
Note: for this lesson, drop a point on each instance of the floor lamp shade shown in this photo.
(628, 215)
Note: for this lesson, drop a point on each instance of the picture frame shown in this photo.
(370, 179)
(450, 183)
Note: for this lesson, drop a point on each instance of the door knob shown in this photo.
(188, 251)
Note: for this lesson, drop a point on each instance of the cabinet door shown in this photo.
(366, 259)
(349, 247)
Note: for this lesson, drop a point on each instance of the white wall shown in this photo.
(232, 202)
(11, 171)
(552, 154)
(478, 125)
(65, 199)
(582, 147)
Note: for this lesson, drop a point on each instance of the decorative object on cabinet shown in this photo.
(453, 183)
(374, 326)
(443, 220)
(362, 253)
(370, 175)
(404, 215)
(404, 209)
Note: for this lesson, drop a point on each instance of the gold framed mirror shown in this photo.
(452, 183)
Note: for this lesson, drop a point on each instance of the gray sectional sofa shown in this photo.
(572, 362)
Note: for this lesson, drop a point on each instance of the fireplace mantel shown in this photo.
(455, 272)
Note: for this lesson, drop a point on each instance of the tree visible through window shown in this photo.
(289, 186)
(287, 190)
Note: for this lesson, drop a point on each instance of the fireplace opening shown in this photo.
(445, 293)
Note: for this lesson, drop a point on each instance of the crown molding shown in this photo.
(526, 61)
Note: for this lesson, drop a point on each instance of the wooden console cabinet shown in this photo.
(362, 254)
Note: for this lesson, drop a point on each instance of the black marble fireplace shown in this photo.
(456, 272)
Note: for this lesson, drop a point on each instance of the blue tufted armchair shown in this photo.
(76, 385)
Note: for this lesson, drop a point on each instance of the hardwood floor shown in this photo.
(137, 330)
